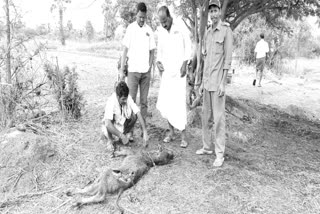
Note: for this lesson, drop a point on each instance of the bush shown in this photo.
(65, 89)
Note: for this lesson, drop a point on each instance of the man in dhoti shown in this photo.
(174, 50)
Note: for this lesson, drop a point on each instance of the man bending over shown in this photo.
(121, 113)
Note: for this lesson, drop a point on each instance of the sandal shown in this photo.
(184, 144)
(168, 139)
(130, 137)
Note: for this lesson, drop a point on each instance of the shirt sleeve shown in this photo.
(159, 47)
(256, 48)
(132, 105)
(204, 42)
(228, 49)
(127, 37)
(187, 44)
(152, 44)
(108, 112)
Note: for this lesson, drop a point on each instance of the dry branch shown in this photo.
(17, 199)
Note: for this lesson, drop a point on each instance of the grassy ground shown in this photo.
(272, 157)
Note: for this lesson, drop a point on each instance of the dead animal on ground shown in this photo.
(133, 167)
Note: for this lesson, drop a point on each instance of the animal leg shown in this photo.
(89, 190)
(118, 199)
(99, 197)
(124, 152)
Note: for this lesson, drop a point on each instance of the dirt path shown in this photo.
(295, 95)
(272, 158)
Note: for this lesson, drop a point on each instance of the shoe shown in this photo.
(168, 139)
(130, 137)
(184, 144)
(203, 151)
(254, 82)
(218, 162)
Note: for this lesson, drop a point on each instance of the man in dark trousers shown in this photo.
(139, 45)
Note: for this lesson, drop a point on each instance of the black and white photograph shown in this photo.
(160, 106)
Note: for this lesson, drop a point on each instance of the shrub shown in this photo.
(65, 89)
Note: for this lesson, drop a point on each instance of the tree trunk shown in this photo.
(8, 57)
(224, 9)
(106, 27)
(202, 28)
(62, 38)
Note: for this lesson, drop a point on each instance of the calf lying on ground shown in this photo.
(117, 180)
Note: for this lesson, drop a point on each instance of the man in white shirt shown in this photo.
(260, 54)
(139, 45)
(174, 50)
(120, 115)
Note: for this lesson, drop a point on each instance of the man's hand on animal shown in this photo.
(145, 138)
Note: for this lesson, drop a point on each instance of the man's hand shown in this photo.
(183, 69)
(145, 138)
(124, 139)
(121, 75)
(201, 89)
(160, 66)
(221, 90)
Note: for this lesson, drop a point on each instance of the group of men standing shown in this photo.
(173, 53)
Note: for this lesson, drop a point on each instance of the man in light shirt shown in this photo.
(174, 50)
(120, 115)
(139, 45)
(260, 54)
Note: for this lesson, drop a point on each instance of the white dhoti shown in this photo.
(174, 48)
(172, 100)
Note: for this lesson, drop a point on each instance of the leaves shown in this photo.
(238, 10)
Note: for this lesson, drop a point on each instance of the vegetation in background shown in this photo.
(66, 90)
(60, 6)
(89, 30)
(288, 39)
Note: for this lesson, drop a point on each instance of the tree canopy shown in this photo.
(235, 11)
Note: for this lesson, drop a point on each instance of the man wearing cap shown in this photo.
(217, 61)
(260, 54)
(139, 45)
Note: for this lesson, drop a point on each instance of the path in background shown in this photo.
(296, 94)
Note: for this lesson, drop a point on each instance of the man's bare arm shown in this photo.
(113, 130)
(123, 62)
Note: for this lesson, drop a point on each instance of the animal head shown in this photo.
(162, 156)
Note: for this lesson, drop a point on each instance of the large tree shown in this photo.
(234, 11)
(60, 6)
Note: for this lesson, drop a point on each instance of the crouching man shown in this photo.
(121, 113)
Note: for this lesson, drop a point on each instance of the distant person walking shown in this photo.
(139, 46)
(260, 54)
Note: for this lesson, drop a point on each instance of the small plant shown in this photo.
(65, 89)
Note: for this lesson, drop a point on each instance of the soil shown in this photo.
(272, 157)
